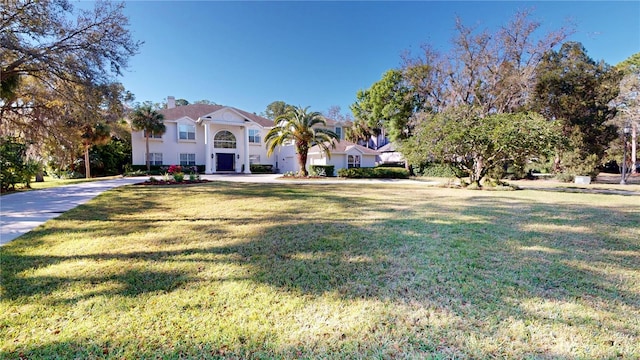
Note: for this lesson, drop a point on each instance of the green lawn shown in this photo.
(327, 271)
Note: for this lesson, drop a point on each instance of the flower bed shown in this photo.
(172, 182)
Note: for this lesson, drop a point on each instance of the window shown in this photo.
(254, 159)
(224, 140)
(254, 136)
(353, 161)
(339, 132)
(187, 159)
(186, 132)
(152, 136)
(155, 158)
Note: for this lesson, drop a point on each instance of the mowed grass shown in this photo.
(225, 270)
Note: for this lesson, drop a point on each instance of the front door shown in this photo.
(224, 162)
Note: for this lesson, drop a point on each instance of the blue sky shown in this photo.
(319, 54)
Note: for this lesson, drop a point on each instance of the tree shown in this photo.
(576, 91)
(276, 109)
(494, 72)
(145, 118)
(627, 103)
(98, 134)
(476, 145)
(203, 102)
(387, 104)
(335, 113)
(59, 66)
(358, 131)
(181, 102)
(304, 129)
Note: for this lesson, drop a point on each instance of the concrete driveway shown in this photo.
(21, 212)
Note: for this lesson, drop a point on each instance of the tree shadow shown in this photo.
(484, 259)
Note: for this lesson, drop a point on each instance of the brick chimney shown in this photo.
(171, 102)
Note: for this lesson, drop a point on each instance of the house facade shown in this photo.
(220, 138)
(345, 155)
(224, 139)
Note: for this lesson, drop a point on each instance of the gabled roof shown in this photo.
(342, 147)
(195, 111)
(390, 147)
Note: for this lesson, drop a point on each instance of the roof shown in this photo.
(195, 111)
(343, 146)
(390, 147)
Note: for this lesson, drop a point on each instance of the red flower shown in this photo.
(173, 169)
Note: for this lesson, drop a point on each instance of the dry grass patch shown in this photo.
(326, 271)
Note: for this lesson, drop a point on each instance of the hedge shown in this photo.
(261, 168)
(374, 173)
(161, 169)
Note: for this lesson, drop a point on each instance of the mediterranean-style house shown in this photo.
(224, 139)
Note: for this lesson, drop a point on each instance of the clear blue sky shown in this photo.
(319, 54)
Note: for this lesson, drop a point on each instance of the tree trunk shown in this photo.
(302, 162)
(87, 165)
(146, 137)
(478, 168)
(634, 147)
(39, 176)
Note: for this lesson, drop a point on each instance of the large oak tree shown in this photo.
(59, 67)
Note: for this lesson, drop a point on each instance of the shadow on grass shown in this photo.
(481, 261)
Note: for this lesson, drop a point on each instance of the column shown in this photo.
(207, 149)
(247, 168)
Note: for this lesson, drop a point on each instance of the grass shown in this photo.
(226, 270)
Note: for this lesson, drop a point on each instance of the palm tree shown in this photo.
(305, 129)
(359, 131)
(145, 118)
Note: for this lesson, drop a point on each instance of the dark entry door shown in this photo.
(224, 162)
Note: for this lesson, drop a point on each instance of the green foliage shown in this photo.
(434, 169)
(12, 163)
(475, 145)
(112, 157)
(276, 109)
(576, 91)
(630, 64)
(146, 118)
(387, 104)
(261, 168)
(322, 170)
(576, 164)
(156, 169)
(374, 173)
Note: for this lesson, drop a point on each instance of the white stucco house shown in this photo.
(222, 139)
(345, 155)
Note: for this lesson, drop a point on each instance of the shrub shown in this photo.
(438, 170)
(322, 170)
(178, 176)
(374, 173)
(160, 169)
(261, 168)
(12, 163)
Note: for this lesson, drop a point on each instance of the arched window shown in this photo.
(224, 140)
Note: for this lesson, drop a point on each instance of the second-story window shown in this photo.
(186, 132)
(254, 136)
